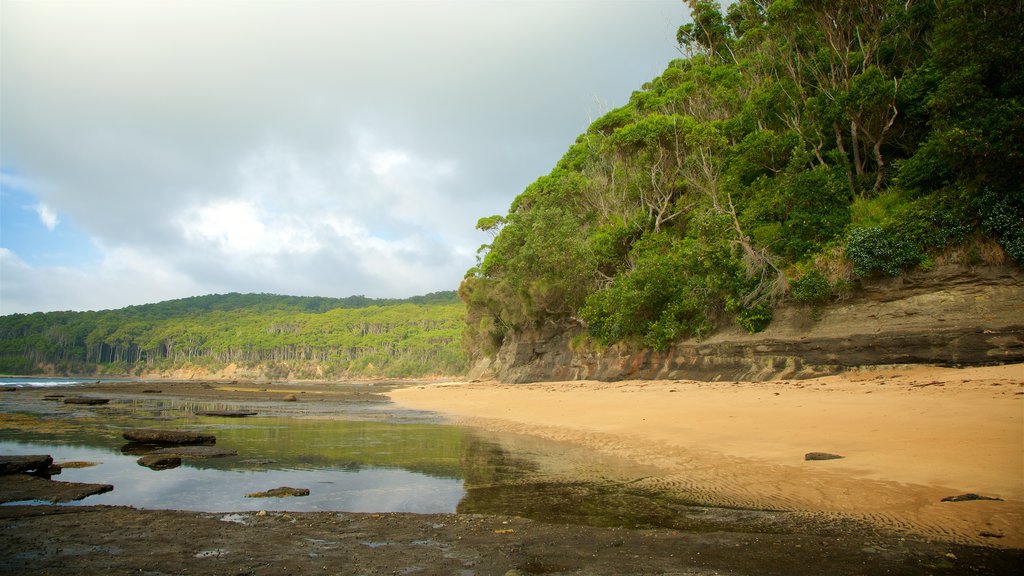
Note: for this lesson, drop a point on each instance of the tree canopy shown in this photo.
(278, 336)
(798, 146)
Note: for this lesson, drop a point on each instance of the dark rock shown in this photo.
(85, 400)
(159, 461)
(979, 324)
(821, 456)
(8, 389)
(54, 397)
(227, 413)
(152, 391)
(18, 487)
(25, 464)
(194, 452)
(968, 497)
(282, 492)
(164, 437)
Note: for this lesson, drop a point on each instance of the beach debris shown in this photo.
(28, 464)
(159, 461)
(152, 391)
(174, 437)
(227, 413)
(290, 398)
(194, 452)
(822, 456)
(86, 400)
(282, 492)
(969, 497)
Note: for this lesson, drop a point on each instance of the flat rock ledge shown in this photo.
(227, 413)
(194, 452)
(21, 487)
(282, 492)
(159, 461)
(969, 497)
(171, 437)
(30, 464)
(822, 456)
(85, 400)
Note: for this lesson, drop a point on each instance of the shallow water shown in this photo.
(355, 457)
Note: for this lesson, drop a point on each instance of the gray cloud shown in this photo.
(325, 148)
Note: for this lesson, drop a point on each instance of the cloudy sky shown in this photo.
(152, 150)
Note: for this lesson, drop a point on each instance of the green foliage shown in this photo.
(878, 249)
(1004, 217)
(755, 318)
(811, 288)
(792, 128)
(284, 335)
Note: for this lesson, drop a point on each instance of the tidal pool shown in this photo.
(352, 457)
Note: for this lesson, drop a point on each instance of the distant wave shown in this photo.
(22, 382)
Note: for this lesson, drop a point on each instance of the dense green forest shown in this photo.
(273, 336)
(798, 147)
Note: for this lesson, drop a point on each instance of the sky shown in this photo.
(152, 149)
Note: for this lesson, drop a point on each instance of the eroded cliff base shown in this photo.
(951, 316)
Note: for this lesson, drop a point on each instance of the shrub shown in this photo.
(876, 249)
(811, 288)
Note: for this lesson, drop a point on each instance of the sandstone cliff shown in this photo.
(948, 316)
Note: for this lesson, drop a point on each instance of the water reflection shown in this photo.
(350, 458)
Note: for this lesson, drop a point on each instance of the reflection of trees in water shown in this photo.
(498, 481)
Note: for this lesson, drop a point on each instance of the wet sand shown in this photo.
(910, 436)
(645, 421)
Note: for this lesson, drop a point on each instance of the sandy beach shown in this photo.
(909, 436)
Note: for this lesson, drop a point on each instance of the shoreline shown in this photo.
(910, 436)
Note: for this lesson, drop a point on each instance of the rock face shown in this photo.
(949, 316)
(37, 464)
(172, 437)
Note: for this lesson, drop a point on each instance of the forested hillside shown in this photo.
(798, 147)
(273, 336)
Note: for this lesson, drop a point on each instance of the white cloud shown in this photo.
(47, 216)
(352, 154)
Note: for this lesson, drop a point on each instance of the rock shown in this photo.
(76, 464)
(290, 398)
(8, 389)
(194, 452)
(159, 461)
(227, 413)
(282, 492)
(18, 487)
(88, 401)
(980, 324)
(969, 497)
(54, 397)
(152, 391)
(821, 456)
(25, 464)
(174, 437)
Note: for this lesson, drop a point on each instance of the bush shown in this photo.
(876, 249)
(1004, 218)
(755, 318)
(811, 288)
